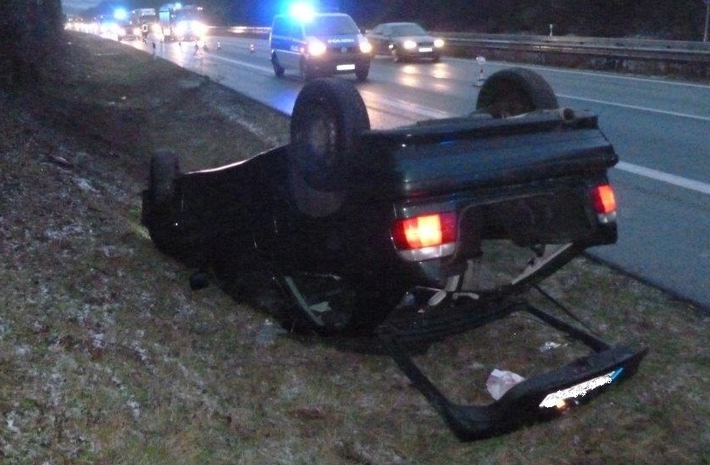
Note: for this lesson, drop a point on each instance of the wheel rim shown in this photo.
(320, 141)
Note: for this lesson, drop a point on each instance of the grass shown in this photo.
(108, 357)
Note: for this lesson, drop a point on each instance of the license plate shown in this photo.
(345, 67)
(426, 49)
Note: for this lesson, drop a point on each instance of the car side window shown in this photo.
(279, 28)
(295, 31)
(284, 28)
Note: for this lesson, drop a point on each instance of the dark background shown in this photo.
(658, 19)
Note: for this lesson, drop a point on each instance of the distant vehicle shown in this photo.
(319, 45)
(145, 21)
(181, 22)
(405, 41)
(126, 31)
(107, 25)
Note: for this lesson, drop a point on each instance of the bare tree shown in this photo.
(30, 31)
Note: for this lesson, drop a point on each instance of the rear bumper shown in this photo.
(536, 399)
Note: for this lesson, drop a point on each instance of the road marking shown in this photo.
(400, 105)
(635, 107)
(622, 77)
(267, 70)
(679, 181)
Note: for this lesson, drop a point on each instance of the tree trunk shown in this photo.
(30, 31)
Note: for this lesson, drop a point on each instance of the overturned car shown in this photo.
(351, 230)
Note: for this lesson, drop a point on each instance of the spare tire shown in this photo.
(515, 91)
(328, 118)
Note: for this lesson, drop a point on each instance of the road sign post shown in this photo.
(707, 20)
(480, 61)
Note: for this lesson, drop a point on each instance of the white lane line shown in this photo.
(679, 181)
(623, 77)
(265, 69)
(635, 107)
(399, 106)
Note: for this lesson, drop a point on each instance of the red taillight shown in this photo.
(604, 203)
(604, 200)
(425, 231)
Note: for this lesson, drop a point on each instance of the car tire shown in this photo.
(164, 169)
(515, 91)
(328, 117)
(396, 57)
(361, 72)
(278, 69)
(307, 74)
(159, 205)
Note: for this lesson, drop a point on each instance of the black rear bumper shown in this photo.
(535, 399)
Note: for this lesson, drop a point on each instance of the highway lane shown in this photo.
(659, 128)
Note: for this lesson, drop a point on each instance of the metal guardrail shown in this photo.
(689, 60)
(607, 42)
(248, 30)
(632, 48)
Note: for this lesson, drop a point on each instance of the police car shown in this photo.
(319, 44)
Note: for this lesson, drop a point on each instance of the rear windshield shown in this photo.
(331, 26)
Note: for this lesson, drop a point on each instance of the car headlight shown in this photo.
(316, 48)
(365, 46)
(199, 28)
(439, 43)
(409, 45)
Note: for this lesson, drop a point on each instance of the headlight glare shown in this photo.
(316, 48)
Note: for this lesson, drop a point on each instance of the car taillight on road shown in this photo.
(426, 236)
(604, 203)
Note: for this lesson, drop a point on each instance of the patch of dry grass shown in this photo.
(108, 357)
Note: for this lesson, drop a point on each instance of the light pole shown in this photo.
(707, 20)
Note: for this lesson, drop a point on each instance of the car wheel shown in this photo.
(396, 57)
(278, 69)
(515, 91)
(361, 72)
(164, 169)
(326, 123)
(158, 207)
(307, 74)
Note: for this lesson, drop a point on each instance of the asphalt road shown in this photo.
(660, 129)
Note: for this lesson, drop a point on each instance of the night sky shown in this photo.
(660, 19)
